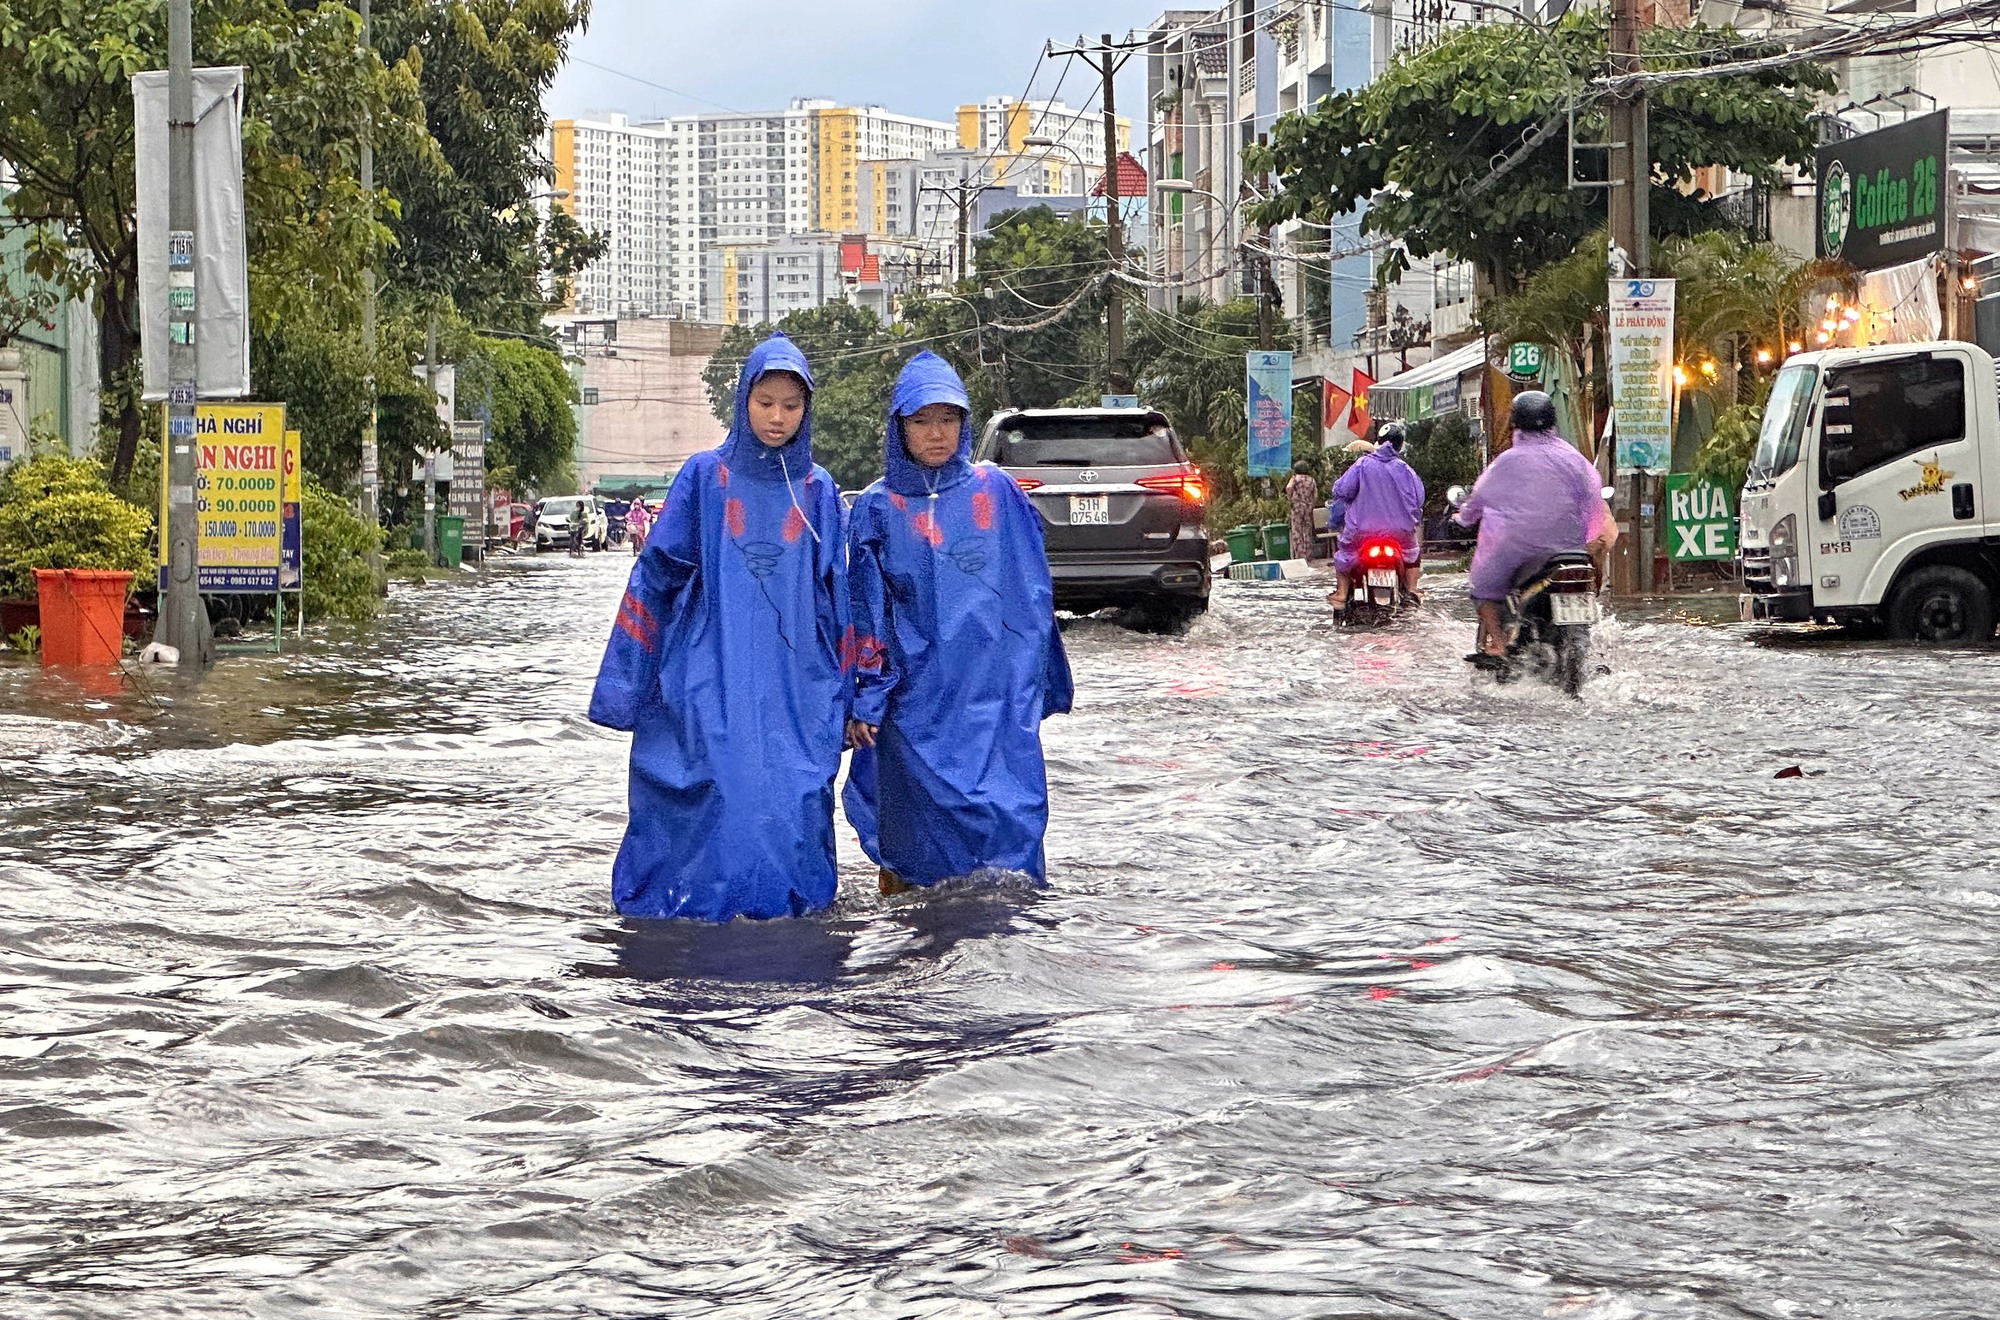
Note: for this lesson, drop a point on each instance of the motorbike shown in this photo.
(1376, 594)
(1548, 617)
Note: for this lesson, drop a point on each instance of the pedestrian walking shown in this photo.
(1302, 495)
(955, 652)
(579, 528)
(725, 664)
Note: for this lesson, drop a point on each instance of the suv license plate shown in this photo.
(1572, 608)
(1381, 577)
(1085, 510)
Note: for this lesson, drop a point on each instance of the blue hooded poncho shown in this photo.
(725, 663)
(956, 657)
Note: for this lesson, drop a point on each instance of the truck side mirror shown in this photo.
(1826, 506)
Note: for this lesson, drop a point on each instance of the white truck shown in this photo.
(1873, 497)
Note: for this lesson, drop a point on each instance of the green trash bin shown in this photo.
(1278, 540)
(451, 540)
(1242, 544)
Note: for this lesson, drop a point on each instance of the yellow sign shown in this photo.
(291, 575)
(239, 484)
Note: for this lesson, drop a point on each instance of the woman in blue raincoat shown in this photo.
(725, 663)
(956, 655)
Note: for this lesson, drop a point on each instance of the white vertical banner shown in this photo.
(1642, 373)
(222, 276)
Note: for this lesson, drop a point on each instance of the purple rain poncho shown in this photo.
(1384, 497)
(1539, 498)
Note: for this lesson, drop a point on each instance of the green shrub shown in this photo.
(56, 512)
(338, 579)
(1444, 453)
(1724, 457)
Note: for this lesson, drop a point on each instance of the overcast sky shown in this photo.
(919, 57)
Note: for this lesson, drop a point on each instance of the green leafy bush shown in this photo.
(57, 512)
(338, 579)
(1444, 453)
(1725, 456)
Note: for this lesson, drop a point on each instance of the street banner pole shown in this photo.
(183, 621)
(371, 474)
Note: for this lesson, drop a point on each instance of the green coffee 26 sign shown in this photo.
(1524, 361)
(1881, 194)
(1700, 524)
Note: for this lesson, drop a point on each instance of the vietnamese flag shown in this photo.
(1335, 405)
(1357, 422)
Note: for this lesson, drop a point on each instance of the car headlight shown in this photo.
(1785, 552)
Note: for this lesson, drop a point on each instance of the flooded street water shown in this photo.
(1361, 989)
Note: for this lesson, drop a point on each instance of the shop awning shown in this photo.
(1429, 389)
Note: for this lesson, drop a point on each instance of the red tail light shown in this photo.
(1381, 554)
(1186, 483)
(1027, 483)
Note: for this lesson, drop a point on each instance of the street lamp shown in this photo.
(1185, 187)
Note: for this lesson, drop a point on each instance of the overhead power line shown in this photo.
(1862, 41)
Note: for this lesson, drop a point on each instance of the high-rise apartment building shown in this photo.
(616, 176)
(1000, 126)
(670, 191)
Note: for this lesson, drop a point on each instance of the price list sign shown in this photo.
(239, 497)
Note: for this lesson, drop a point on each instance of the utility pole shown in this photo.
(1631, 183)
(1266, 338)
(183, 621)
(963, 194)
(371, 472)
(1107, 59)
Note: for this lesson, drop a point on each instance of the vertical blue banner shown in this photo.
(1267, 405)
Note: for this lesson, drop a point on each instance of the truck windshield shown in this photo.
(1784, 421)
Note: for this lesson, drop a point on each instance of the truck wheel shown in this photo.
(1942, 606)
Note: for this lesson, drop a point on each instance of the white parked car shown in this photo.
(552, 517)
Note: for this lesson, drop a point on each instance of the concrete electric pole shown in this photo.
(1631, 183)
(183, 622)
(371, 472)
(1107, 59)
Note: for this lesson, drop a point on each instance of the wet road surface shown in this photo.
(1361, 989)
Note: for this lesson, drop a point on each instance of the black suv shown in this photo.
(1122, 506)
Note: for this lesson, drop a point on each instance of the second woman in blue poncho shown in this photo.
(955, 653)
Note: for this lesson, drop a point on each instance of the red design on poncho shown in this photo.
(982, 510)
(795, 524)
(637, 621)
(897, 500)
(732, 513)
(860, 651)
(722, 475)
(927, 527)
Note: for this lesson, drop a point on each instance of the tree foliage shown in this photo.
(466, 231)
(1733, 296)
(532, 441)
(338, 580)
(453, 90)
(854, 359)
(57, 512)
(1417, 145)
(1030, 262)
(66, 126)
